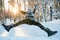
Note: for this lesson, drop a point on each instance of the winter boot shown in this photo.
(50, 33)
(7, 27)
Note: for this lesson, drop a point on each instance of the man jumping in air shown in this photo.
(30, 20)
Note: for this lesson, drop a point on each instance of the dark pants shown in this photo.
(30, 22)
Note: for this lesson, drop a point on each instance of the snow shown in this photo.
(30, 32)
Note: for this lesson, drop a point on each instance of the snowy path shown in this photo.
(31, 32)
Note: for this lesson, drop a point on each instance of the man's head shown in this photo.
(29, 10)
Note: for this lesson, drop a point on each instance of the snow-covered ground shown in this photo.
(30, 32)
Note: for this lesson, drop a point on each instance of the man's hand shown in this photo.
(35, 6)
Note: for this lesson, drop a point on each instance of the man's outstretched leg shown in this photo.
(30, 22)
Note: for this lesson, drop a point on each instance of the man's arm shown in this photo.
(34, 8)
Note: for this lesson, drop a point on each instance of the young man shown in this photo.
(30, 20)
